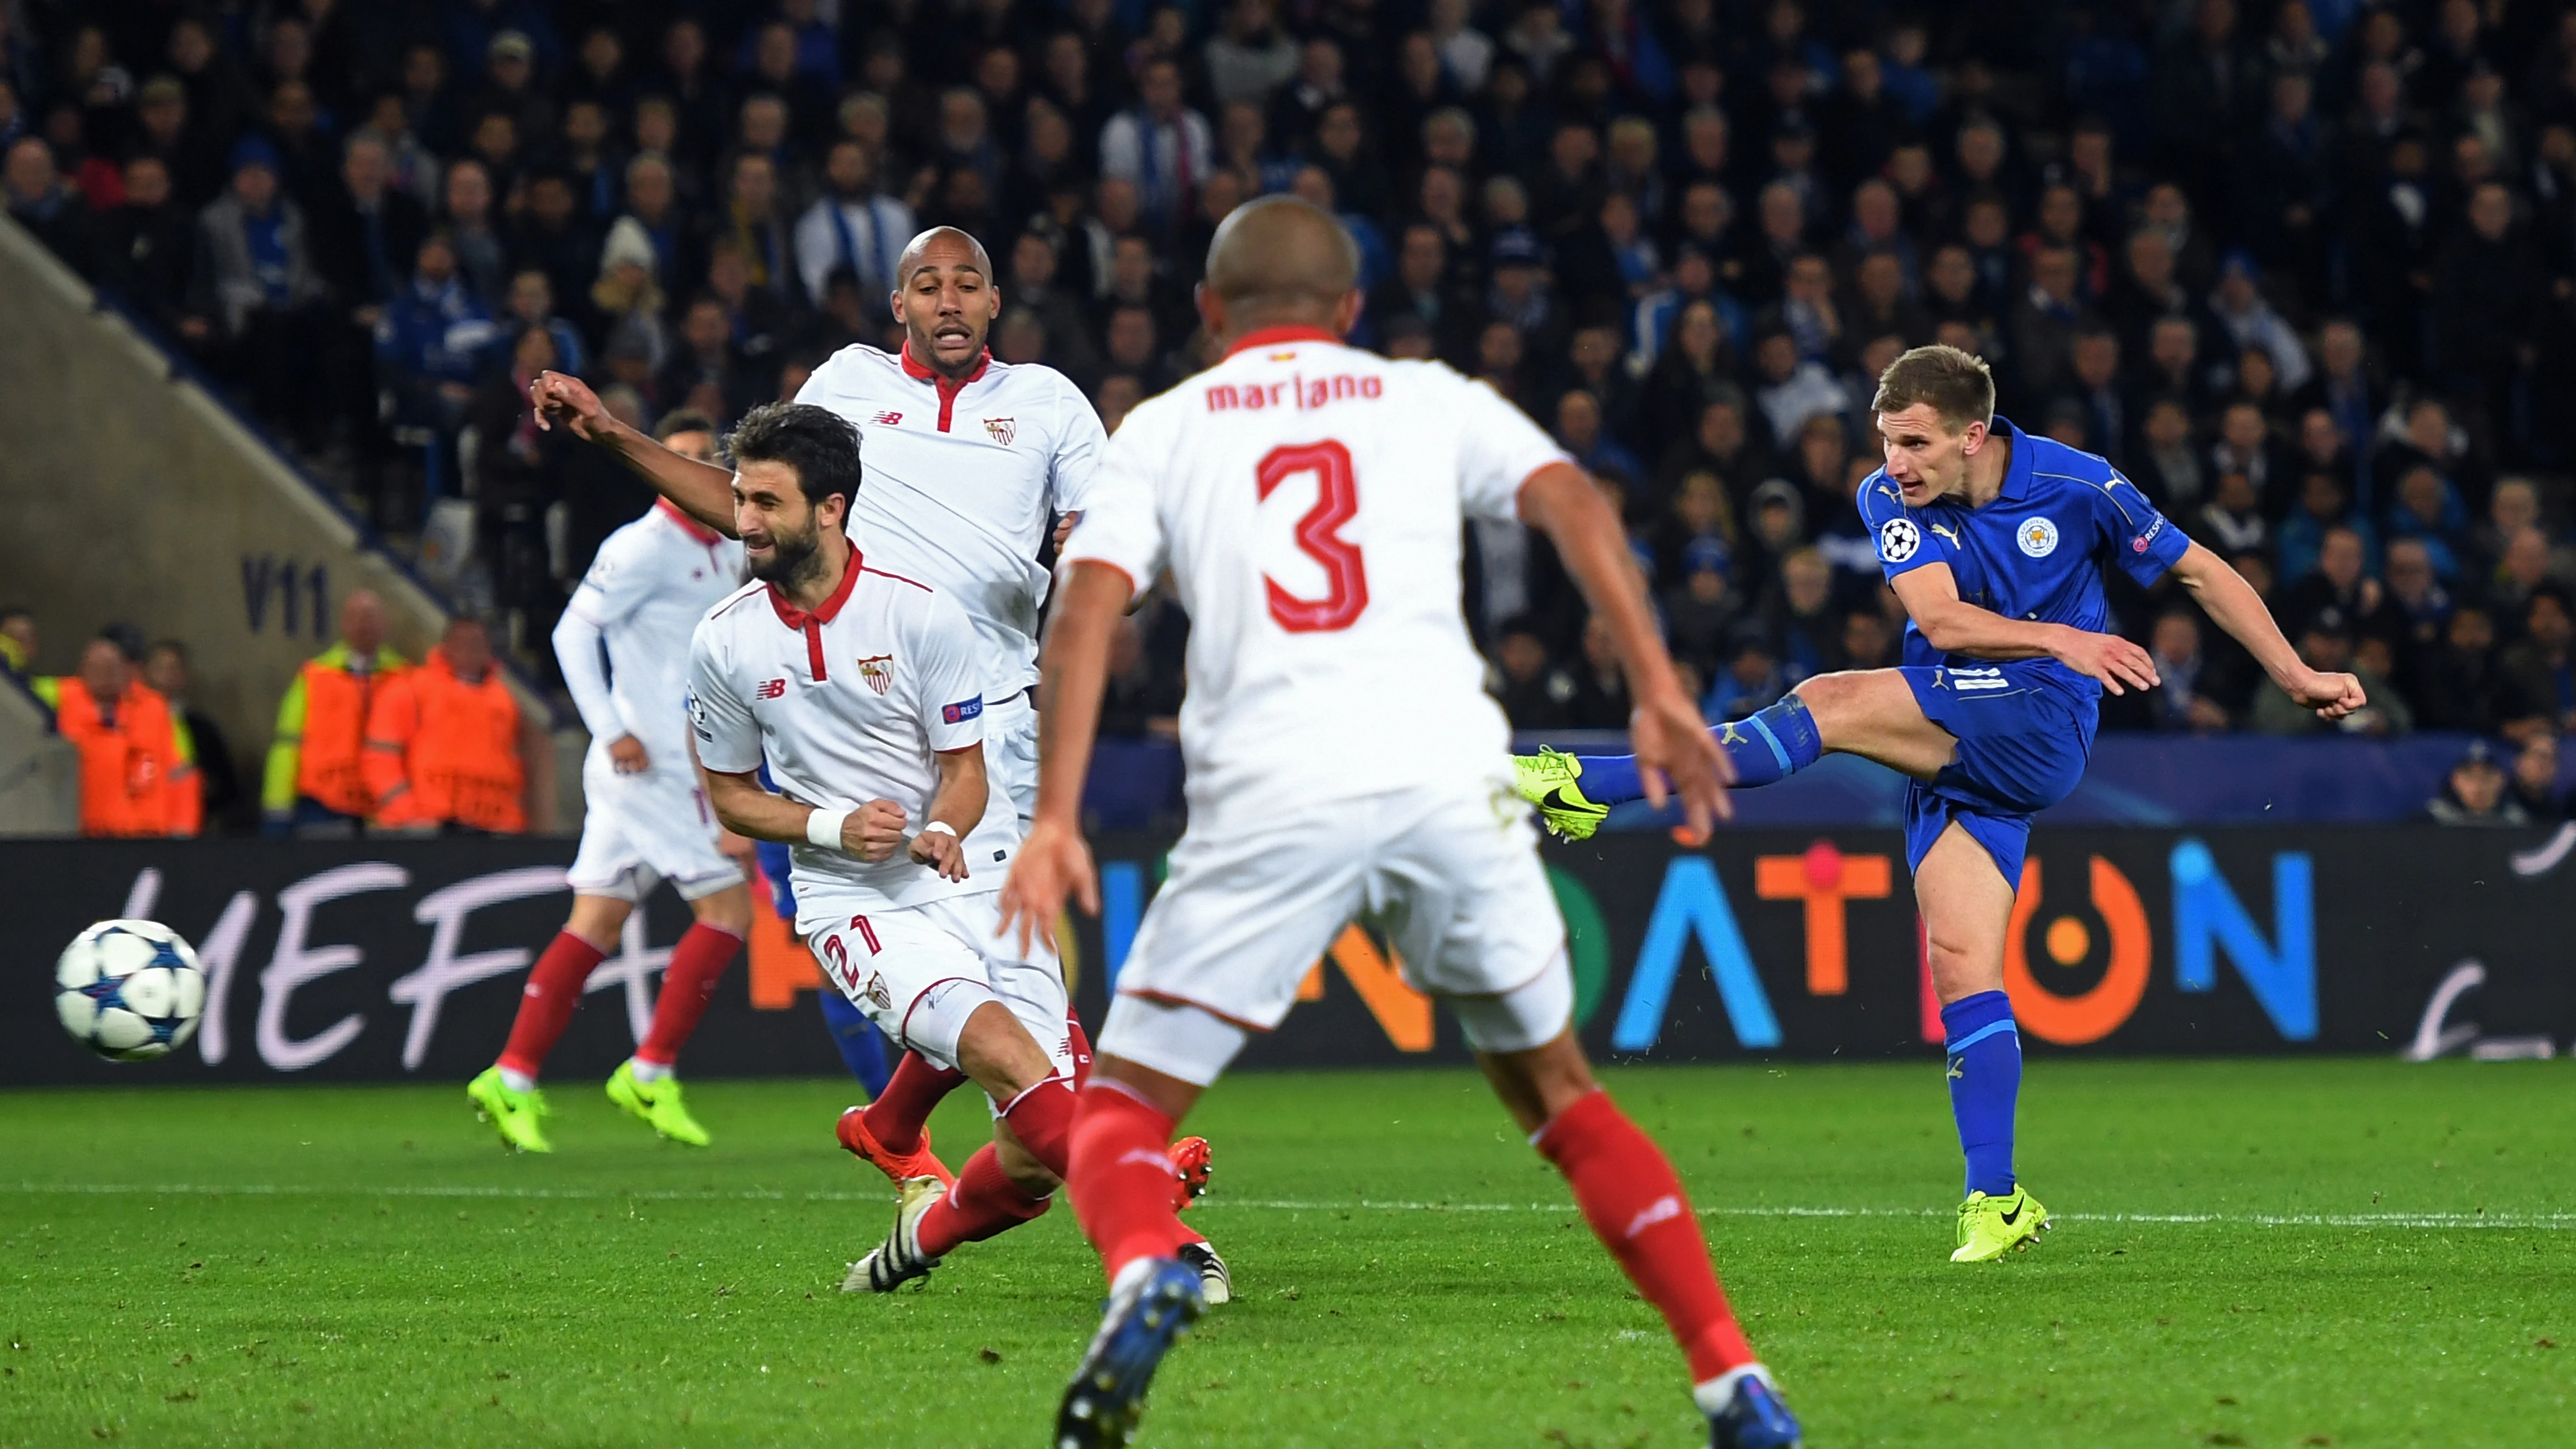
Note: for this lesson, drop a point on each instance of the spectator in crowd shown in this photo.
(1534, 694)
(201, 743)
(315, 782)
(2290, 247)
(2326, 641)
(256, 279)
(445, 741)
(134, 779)
(1139, 701)
(1751, 680)
(2474, 793)
(2180, 702)
(17, 640)
(2534, 785)
(2539, 674)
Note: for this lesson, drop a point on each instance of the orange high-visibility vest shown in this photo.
(322, 731)
(133, 779)
(442, 751)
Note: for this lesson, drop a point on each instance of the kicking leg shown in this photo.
(1871, 713)
(1966, 906)
(1635, 1204)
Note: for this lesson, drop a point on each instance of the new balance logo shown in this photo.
(772, 689)
(1662, 1210)
(886, 420)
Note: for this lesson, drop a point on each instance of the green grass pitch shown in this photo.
(2280, 1253)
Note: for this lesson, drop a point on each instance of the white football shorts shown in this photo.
(920, 971)
(1450, 875)
(640, 830)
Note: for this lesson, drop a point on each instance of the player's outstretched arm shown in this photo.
(1672, 742)
(701, 490)
(872, 832)
(1073, 672)
(1952, 625)
(2227, 598)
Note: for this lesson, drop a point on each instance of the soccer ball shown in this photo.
(129, 990)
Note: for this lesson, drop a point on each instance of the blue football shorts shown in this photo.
(2023, 743)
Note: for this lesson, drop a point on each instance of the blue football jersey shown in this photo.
(2036, 552)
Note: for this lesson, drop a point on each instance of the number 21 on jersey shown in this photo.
(1337, 501)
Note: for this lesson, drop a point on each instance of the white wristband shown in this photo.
(941, 826)
(823, 828)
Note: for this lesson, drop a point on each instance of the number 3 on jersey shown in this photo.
(1337, 501)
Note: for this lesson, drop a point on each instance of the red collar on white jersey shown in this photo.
(824, 612)
(1265, 337)
(913, 368)
(688, 525)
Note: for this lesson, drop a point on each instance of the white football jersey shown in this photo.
(959, 481)
(1309, 498)
(848, 704)
(648, 586)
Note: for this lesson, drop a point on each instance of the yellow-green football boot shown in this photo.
(513, 1114)
(1548, 781)
(1990, 1227)
(658, 1103)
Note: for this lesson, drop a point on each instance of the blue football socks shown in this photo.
(1765, 748)
(1985, 1083)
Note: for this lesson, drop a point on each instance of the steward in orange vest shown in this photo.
(443, 742)
(134, 780)
(318, 751)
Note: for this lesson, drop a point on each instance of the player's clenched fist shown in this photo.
(874, 831)
(2332, 696)
(567, 400)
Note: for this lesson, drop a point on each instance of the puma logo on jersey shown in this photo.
(1945, 533)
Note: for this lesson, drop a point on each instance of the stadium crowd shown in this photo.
(2306, 270)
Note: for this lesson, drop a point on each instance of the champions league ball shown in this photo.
(129, 990)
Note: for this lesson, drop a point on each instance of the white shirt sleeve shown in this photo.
(1121, 525)
(1498, 449)
(1075, 467)
(944, 653)
(585, 672)
(728, 737)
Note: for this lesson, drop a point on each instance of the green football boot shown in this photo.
(513, 1114)
(1990, 1227)
(658, 1103)
(1548, 781)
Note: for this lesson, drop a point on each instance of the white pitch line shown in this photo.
(2553, 1222)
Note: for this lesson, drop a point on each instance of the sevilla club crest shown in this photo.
(1002, 429)
(878, 671)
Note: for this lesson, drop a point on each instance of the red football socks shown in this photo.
(1080, 1043)
(688, 984)
(1636, 1206)
(1042, 1118)
(546, 1004)
(1122, 1177)
(983, 1202)
(896, 1116)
